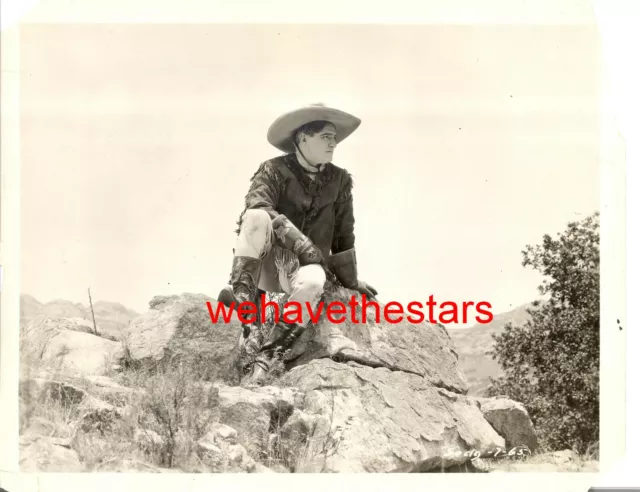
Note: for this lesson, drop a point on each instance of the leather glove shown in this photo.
(366, 289)
(307, 252)
(345, 266)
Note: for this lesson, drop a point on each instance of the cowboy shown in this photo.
(297, 226)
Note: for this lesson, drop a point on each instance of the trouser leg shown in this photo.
(255, 236)
(253, 243)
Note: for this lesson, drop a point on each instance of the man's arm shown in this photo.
(266, 187)
(343, 260)
(344, 237)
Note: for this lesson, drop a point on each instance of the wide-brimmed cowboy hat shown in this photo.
(280, 133)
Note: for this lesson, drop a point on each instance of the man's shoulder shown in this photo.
(271, 167)
(278, 163)
(340, 173)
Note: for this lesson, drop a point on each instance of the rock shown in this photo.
(422, 349)
(82, 353)
(99, 416)
(237, 453)
(72, 324)
(39, 390)
(227, 433)
(209, 447)
(364, 419)
(68, 351)
(180, 328)
(286, 399)
(511, 420)
(222, 456)
(112, 392)
(564, 456)
(252, 412)
(42, 454)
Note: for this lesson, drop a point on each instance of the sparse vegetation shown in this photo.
(165, 413)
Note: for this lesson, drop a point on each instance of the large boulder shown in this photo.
(422, 349)
(58, 345)
(364, 419)
(180, 328)
(511, 420)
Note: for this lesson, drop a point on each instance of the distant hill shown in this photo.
(111, 317)
(473, 343)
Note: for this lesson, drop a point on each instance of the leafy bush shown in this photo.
(551, 363)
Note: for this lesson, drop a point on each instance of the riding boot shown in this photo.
(245, 277)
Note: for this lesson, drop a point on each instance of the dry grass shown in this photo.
(304, 450)
(156, 426)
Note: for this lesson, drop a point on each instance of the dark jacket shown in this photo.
(321, 209)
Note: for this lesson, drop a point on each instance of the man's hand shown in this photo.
(366, 289)
(281, 226)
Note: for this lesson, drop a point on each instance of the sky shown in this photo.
(138, 142)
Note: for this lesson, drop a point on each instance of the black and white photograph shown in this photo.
(298, 247)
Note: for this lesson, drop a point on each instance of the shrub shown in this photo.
(551, 363)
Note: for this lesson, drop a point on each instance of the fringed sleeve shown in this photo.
(266, 187)
(344, 237)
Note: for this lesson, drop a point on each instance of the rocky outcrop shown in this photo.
(511, 420)
(421, 349)
(355, 397)
(364, 419)
(179, 328)
(58, 346)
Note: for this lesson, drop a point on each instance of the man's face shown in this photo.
(318, 149)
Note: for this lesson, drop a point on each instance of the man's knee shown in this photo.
(311, 279)
(255, 221)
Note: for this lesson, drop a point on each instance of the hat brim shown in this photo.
(280, 133)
